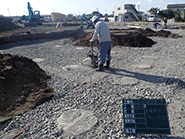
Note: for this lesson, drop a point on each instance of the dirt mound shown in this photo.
(146, 32)
(162, 33)
(150, 33)
(83, 40)
(118, 37)
(6, 25)
(23, 85)
(132, 39)
(126, 37)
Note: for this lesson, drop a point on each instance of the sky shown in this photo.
(77, 7)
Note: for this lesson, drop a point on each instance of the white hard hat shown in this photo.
(94, 18)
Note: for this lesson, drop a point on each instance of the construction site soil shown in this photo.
(133, 37)
(23, 85)
(125, 37)
(10, 33)
(6, 25)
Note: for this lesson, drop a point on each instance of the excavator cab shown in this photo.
(37, 17)
(37, 13)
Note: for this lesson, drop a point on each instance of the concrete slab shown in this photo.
(114, 52)
(70, 67)
(94, 77)
(142, 66)
(58, 45)
(150, 57)
(133, 26)
(76, 121)
(86, 62)
(38, 59)
(80, 48)
(126, 81)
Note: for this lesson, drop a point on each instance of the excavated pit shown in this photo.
(126, 37)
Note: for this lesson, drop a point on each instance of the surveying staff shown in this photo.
(102, 31)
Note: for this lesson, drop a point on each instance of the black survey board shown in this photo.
(145, 116)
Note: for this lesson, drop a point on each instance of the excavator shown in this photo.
(33, 18)
(88, 23)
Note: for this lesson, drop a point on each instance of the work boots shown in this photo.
(100, 68)
(108, 64)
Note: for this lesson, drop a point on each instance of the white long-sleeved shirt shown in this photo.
(102, 30)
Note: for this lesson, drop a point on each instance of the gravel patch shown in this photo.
(152, 73)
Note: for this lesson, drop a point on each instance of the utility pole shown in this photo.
(8, 12)
(138, 7)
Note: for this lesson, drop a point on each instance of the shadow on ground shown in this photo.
(149, 78)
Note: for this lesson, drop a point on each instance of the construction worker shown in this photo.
(165, 23)
(102, 31)
(155, 25)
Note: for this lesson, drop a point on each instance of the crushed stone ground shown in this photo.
(23, 87)
(171, 86)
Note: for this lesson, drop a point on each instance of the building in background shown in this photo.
(55, 17)
(176, 7)
(125, 13)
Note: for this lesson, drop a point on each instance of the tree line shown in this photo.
(179, 16)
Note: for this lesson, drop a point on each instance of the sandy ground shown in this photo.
(150, 73)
